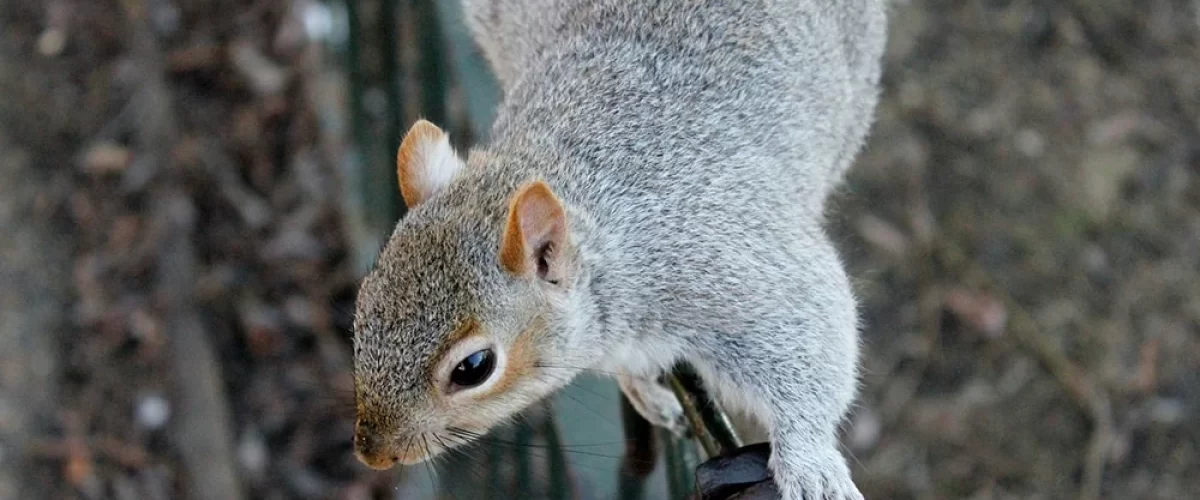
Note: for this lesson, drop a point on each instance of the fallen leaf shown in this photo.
(980, 311)
(883, 235)
(78, 467)
(106, 157)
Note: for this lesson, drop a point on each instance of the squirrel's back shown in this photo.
(629, 98)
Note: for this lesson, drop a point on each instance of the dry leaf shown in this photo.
(980, 311)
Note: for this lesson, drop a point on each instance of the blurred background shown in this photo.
(190, 191)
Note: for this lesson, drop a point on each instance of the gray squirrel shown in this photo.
(653, 190)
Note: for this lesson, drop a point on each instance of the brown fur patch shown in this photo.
(422, 134)
(377, 460)
(522, 356)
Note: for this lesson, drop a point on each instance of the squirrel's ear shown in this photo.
(425, 162)
(535, 234)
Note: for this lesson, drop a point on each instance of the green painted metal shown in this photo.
(387, 185)
(480, 91)
(641, 450)
(710, 425)
(559, 487)
(432, 65)
(681, 457)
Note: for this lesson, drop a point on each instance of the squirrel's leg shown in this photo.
(801, 407)
(656, 403)
(793, 364)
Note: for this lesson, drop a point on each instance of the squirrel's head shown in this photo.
(467, 300)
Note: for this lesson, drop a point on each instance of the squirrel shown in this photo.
(652, 191)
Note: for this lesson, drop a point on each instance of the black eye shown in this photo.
(473, 370)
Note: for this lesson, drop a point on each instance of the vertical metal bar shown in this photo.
(560, 481)
(524, 474)
(355, 73)
(431, 66)
(641, 453)
(495, 483)
(480, 89)
(385, 181)
(361, 162)
(710, 424)
(682, 459)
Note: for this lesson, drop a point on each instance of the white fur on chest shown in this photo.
(647, 357)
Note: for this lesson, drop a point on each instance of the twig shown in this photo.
(129, 455)
(708, 421)
(709, 425)
(201, 431)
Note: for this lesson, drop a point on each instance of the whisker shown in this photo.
(481, 477)
(596, 371)
(528, 446)
(408, 442)
(478, 435)
(433, 483)
(577, 368)
(463, 444)
(432, 463)
(607, 420)
(567, 381)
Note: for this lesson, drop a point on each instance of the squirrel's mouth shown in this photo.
(382, 453)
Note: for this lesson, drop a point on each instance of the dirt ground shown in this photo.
(1024, 230)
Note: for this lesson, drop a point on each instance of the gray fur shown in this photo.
(694, 143)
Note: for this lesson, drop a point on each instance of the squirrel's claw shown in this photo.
(655, 403)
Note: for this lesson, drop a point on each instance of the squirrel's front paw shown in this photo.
(743, 474)
(816, 480)
(655, 403)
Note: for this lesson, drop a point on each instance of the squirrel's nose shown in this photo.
(371, 450)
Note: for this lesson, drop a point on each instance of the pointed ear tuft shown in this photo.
(535, 234)
(425, 163)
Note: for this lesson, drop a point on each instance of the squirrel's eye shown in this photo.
(473, 370)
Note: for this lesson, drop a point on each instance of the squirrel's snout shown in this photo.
(381, 449)
(372, 451)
